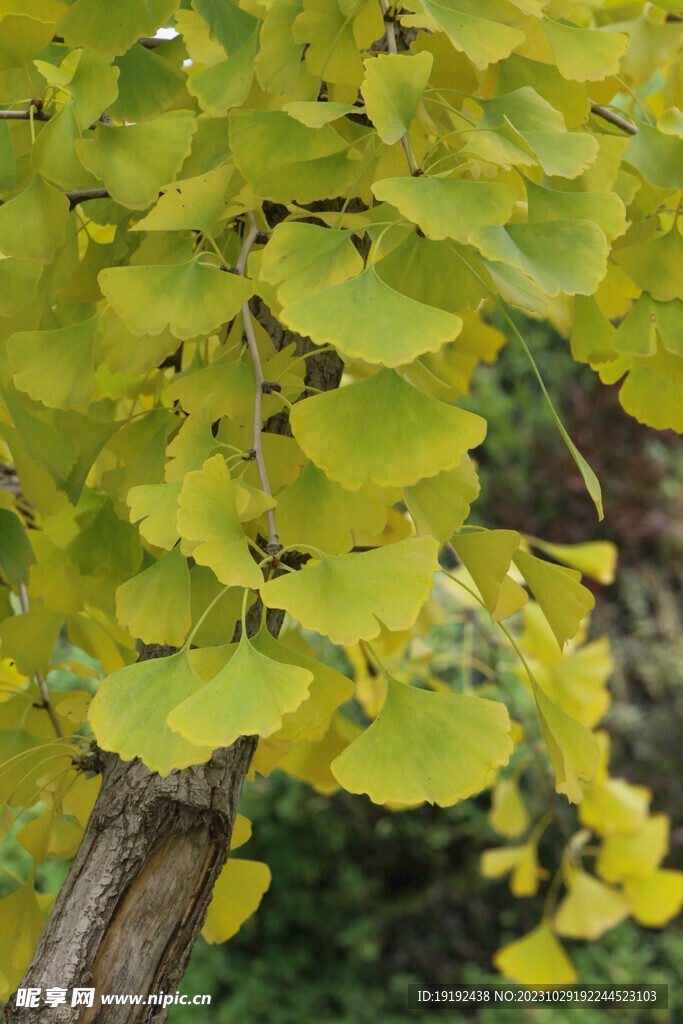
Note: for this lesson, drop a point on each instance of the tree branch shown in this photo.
(249, 239)
(82, 195)
(149, 42)
(609, 115)
(24, 115)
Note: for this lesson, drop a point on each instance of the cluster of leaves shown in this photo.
(380, 204)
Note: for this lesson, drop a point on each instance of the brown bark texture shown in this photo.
(135, 899)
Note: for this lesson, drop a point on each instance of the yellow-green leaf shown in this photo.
(392, 88)
(155, 604)
(445, 207)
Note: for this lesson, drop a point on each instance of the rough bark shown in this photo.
(136, 897)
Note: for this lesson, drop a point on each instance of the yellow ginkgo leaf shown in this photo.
(445, 207)
(511, 599)
(247, 697)
(237, 894)
(559, 592)
(590, 908)
(155, 506)
(424, 746)
(596, 559)
(635, 855)
(392, 88)
(303, 258)
(573, 749)
(439, 505)
(395, 445)
(584, 54)
(366, 319)
(22, 918)
(32, 224)
(536, 959)
(50, 835)
(208, 515)
(656, 898)
(520, 862)
(508, 814)
(155, 604)
(346, 597)
(55, 367)
(487, 555)
(578, 681)
(309, 760)
(128, 713)
(614, 806)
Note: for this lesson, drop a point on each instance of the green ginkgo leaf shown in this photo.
(128, 713)
(18, 284)
(433, 273)
(567, 256)
(314, 114)
(238, 891)
(487, 555)
(448, 208)
(21, 38)
(572, 747)
(97, 25)
(56, 367)
(316, 510)
(227, 84)
(604, 208)
(192, 204)
(658, 157)
(366, 319)
(16, 553)
(155, 604)
(653, 264)
(54, 153)
(585, 54)
(440, 504)
(135, 161)
(303, 258)
(562, 597)
(392, 88)
(248, 697)
(125, 352)
(429, 747)
(92, 83)
(229, 23)
(148, 85)
(329, 690)
(208, 515)
(32, 224)
(348, 597)
(484, 40)
(192, 299)
(385, 430)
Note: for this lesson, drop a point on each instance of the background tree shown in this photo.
(199, 235)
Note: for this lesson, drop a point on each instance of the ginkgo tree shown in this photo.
(247, 270)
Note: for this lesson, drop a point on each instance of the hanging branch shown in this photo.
(609, 115)
(259, 382)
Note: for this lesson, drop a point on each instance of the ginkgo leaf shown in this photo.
(32, 224)
(157, 506)
(247, 697)
(227, 84)
(128, 713)
(329, 690)
(16, 553)
(97, 25)
(440, 504)
(445, 207)
(366, 319)
(567, 256)
(651, 264)
(315, 510)
(346, 597)
(23, 914)
(238, 891)
(590, 908)
(383, 429)
(584, 54)
(613, 806)
(578, 681)
(424, 746)
(508, 814)
(604, 208)
(54, 153)
(487, 555)
(208, 515)
(50, 835)
(21, 38)
(155, 604)
(315, 114)
(18, 284)
(484, 40)
(655, 899)
(191, 298)
(637, 854)
(521, 862)
(56, 367)
(536, 959)
(134, 161)
(511, 599)
(304, 258)
(656, 156)
(30, 639)
(572, 747)
(392, 88)
(597, 559)
(434, 273)
(192, 204)
(562, 597)
(310, 760)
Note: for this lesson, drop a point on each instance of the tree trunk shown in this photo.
(134, 902)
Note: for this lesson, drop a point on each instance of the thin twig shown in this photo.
(149, 42)
(609, 115)
(24, 115)
(81, 195)
(390, 29)
(259, 380)
(40, 679)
